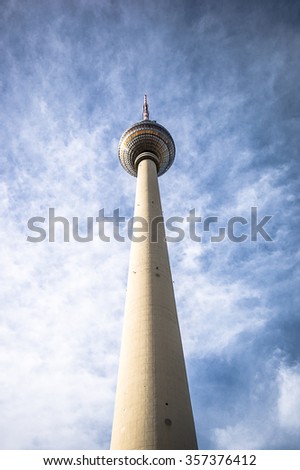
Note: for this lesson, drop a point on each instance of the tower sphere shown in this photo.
(146, 139)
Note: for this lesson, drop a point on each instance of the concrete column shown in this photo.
(153, 408)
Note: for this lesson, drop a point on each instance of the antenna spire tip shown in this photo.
(145, 109)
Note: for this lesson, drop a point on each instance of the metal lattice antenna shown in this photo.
(145, 109)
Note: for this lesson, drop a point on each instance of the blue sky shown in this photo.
(223, 78)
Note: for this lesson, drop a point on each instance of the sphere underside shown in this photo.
(142, 137)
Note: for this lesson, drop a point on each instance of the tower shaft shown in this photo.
(153, 408)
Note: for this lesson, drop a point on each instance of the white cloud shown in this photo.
(240, 436)
(216, 314)
(289, 398)
(273, 419)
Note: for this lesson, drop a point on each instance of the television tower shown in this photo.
(153, 408)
